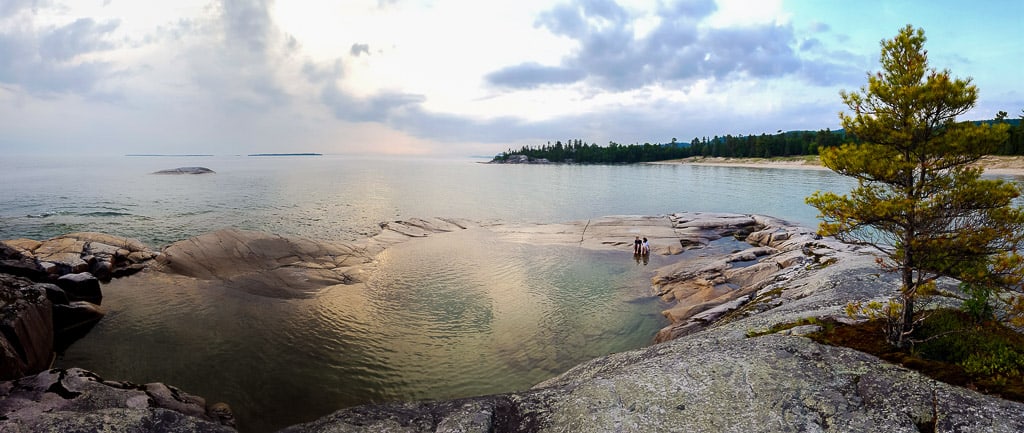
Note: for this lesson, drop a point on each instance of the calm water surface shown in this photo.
(446, 316)
(336, 198)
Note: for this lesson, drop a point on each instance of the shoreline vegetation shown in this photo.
(993, 164)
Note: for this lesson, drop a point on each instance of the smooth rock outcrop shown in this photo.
(708, 382)
(704, 288)
(285, 266)
(78, 400)
(186, 170)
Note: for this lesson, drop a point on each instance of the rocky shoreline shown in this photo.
(715, 367)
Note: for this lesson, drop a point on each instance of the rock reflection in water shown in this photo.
(445, 316)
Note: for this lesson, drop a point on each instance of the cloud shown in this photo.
(577, 19)
(530, 75)
(612, 54)
(240, 58)
(12, 7)
(48, 61)
(819, 27)
(82, 36)
(359, 49)
(247, 23)
(381, 107)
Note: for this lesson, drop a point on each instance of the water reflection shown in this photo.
(446, 316)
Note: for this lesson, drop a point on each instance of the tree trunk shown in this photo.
(908, 319)
(909, 292)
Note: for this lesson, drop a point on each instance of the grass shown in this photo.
(987, 357)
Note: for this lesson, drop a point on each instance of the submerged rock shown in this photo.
(261, 263)
(286, 266)
(73, 320)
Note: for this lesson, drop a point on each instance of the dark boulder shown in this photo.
(81, 287)
(102, 270)
(55, 294)
(14, 263)
(26, 328)
(73, 321)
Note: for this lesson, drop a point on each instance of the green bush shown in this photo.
(954, 337)
(998, 360)
(977, 304)
(946, 337)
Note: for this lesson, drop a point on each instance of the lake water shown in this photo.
(336, 198)
(442, 317)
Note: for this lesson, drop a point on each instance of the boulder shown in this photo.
(81, 287)
(26, 328)
(102, 269)
(65, 252)
(103, 255)
(14, 262)
(72, 321)
(55, 294)
(79, 400)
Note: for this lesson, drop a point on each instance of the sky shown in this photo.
(456, 78)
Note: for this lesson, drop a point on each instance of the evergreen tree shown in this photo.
(918, 200)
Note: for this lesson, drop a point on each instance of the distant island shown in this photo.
(286, 154)
(780, 144)
(161, 155)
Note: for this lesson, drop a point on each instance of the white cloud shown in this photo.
(440, 76)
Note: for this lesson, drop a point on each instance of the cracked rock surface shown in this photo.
(62, 400)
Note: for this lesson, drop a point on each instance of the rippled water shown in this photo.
(447, 316)
(336, 198)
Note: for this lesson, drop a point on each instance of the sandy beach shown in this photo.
(996, 165)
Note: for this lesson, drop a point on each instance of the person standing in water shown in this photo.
(637, 245)
(645, 248)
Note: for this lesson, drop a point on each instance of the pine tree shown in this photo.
(918, 198)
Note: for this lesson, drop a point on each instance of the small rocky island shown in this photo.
(186, 170)
(717, 366)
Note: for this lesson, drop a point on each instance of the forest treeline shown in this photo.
(792, 143)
